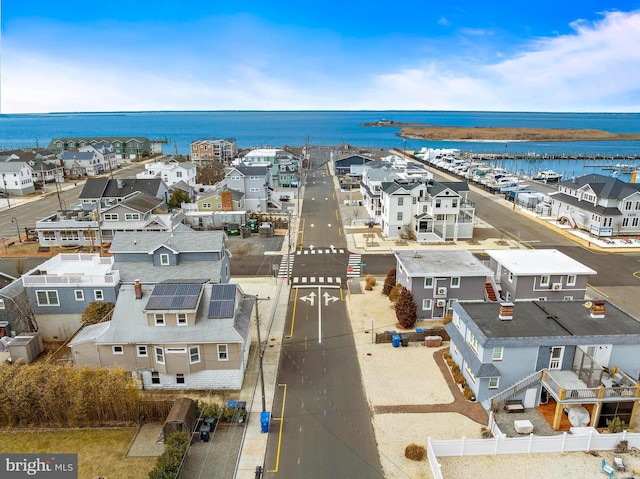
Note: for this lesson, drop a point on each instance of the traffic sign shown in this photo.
(362, 264)
(349, 269)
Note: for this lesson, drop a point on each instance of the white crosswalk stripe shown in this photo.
(316, 280)
(320, 251)
(354, 268)
(286, 266)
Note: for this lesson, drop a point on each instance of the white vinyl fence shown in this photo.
(525, 445)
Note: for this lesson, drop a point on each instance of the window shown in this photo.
(79, 294)
(159, 355)
(179, 378)
(131, 216)
(510, 277)
(254, 178)
(567, 298)
(588, 197)
(470, 374)
(426, 304)
(438, 203)
(111, 216)
(571, 280)
(625, 221)
(627, 205)
(473, 342)
(155, 377)
(49, 235)
(544, 280)
(159, 319)
(254, 190)
(1, 303)
(178, 174)
(182, 319)
(206, 206)
(69, 235)
(194, 354)
(542, 298)
(451, 302)
(400, 201)
(164, 259)
(634, 222)
(47, 298)
(497, 353)
(399, 216)
(142, 351)
(428, 282)
(223, 354)
(455, 282)
(117, 349)
(494, 382)
(454, 202)
(98, 295)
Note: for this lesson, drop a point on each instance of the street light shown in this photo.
(14, 220)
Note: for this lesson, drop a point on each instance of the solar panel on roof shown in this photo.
(221, 309)
(174, 296)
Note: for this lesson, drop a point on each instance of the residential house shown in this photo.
(602, 205)
(43, 164)
(254, 182)
(59, 290)
(153, 257)
(174, 335)
(570, 353)
(171, 172)
(104, 152)
(433, 211)
(215, 208)
(223, 150)
(16, 178)
(537, 274)
(137, 213)
(440, 278)
(284, 166)
(350, 164)
(82, 163)
(125, 147)
(111, 191)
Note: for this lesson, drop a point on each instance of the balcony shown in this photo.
(566, 387)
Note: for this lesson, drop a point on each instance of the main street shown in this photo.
(322, 422)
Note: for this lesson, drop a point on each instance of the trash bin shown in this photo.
(264, 421)
(404, 338)
(433, 341)
(395, 340)
(211, 422)
(205, 429)
(419, 330)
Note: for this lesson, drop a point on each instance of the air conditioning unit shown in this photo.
(441, 303)
(441, 291)
(556, 286)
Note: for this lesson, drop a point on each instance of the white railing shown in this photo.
(525, 445)
(72, 280)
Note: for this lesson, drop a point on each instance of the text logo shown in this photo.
(51, 466)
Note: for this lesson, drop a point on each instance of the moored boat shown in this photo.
(547, 176)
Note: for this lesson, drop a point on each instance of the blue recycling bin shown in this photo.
(395, 340)
(419, 330)
(264, 421)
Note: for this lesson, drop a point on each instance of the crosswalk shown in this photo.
(354, 267)
(286, 266)
(320, 251)
(316, 280)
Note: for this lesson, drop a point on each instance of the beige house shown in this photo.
(214, 149)
(184, 335)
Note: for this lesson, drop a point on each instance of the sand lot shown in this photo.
(405, 376)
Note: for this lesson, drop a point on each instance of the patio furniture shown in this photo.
(608, 469)
(514, 405)
(523, 426)
(619, 464)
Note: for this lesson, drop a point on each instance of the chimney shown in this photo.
(138, 289)
(226, 200)
(598, 309)
(119, 182)
(506, 311)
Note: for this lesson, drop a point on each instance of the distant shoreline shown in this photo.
(498, 134)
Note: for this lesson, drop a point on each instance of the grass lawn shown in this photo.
(101, 452)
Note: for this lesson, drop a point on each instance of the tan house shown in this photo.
(186, 335)
(215, 209)
(214, 149)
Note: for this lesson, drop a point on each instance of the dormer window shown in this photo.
(164, 259)
(159, 319)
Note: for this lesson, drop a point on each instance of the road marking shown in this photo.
(636, 275)
(596, 289)
(309, 298)
(328, 298)
(340, 232)
(337, 215)
(281, 419)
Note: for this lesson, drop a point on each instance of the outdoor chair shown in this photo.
(619, 463)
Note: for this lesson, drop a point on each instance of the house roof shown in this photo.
(603, 186)
(541, 323)
(585, 205)
(131, 270)
(252, 170)
(455, 186)
(139, 202)
(77, 155)
(129, 324)
(96, 188)
(423, 263)
(179, 241)
(532, 262)
(11, 166)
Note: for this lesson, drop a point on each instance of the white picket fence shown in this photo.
(524, 445)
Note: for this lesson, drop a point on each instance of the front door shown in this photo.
(555, 362)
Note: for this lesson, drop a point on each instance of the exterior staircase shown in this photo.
(514, 390)
(490, 291)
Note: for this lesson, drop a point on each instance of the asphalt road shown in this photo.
(326, 421)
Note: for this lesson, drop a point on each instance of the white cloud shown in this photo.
(596, 68)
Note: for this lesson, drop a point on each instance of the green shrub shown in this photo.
(616, 425)
(168, 464)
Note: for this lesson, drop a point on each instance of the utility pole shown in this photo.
(260, 354)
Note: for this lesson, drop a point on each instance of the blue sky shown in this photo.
(353, 55)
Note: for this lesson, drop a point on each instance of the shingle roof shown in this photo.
(585, 205)
(180, 241)
(603, 186)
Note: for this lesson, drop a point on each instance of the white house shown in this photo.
(171, 172)
(601, 205)
(16, 178)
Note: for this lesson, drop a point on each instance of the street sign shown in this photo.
(349, 268)
(362, 264)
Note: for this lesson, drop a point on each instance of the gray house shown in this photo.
(440, 278)
(153, 257)
(254, 182)
(185, 335)
(571, 353)
(59, 290)
(111, 191)
(541, 274)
